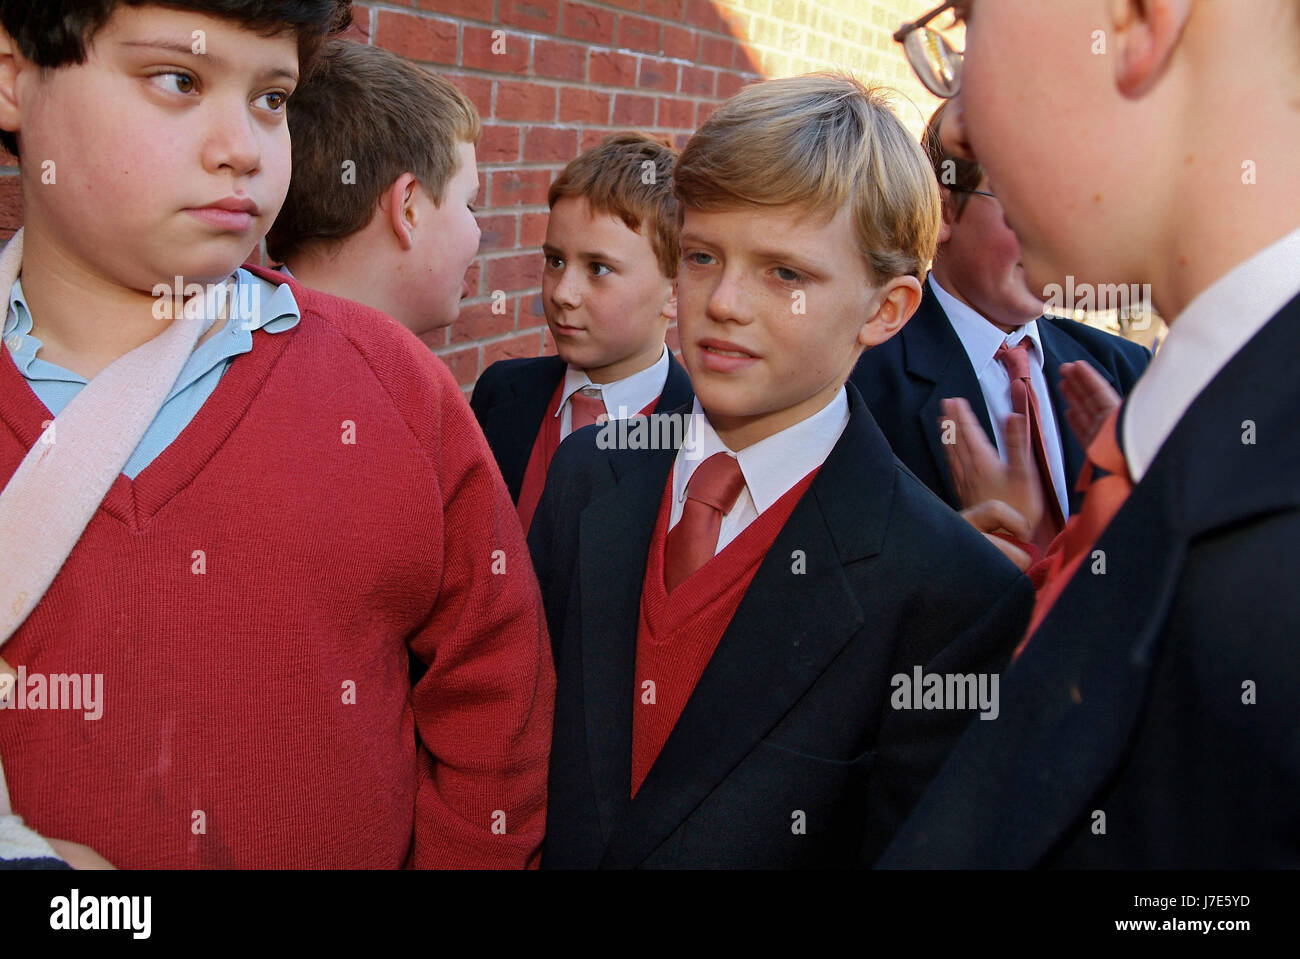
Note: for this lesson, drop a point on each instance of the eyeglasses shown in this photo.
(955, 189)
(935, 62)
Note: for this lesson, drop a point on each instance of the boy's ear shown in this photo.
(896, 301)
(670, 305)
(398, 204)
(1146, 35)
(10, 116)
(946, 216)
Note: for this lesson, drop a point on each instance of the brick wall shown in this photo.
(551, 77)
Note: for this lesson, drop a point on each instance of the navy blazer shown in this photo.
(792, 713)
(904, 379)
(510, 401)
(1163, 694)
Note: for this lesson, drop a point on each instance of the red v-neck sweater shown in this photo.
(249, 601)
(678, 632)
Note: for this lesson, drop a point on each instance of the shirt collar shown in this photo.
(1210, 331)
(623, 398)
(772, 466)
(259, 305)
(980, 338)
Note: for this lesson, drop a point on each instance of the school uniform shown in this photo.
(1151, 719)
(947, 350)
(523, 406)
(767, 737)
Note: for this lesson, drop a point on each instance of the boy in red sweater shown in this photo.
(739, 615)
(608, 292)
(381, 203)
(313, 500)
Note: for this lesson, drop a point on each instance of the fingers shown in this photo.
(78, 856)
(993, 515)
(1089, 399)
(1010, 551)
(973, 461)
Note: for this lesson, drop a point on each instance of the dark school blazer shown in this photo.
(792, 717)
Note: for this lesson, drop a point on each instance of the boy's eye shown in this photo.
(699, 259)
(787, 275)
(554, 263)
(275, 101)
(600, 269)
(175, 82)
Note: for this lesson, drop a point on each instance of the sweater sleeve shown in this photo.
(484, 707)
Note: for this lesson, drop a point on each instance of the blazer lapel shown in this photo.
(934, 354)
(511, 426)
(677, 387)
(614, 537)
(1012, 789)
(775, 647)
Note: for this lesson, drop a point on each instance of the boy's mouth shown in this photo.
(721, 356)
(233, 214)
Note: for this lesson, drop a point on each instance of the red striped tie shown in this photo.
(711, 492)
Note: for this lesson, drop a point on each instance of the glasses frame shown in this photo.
(957, 189)
(913, 51)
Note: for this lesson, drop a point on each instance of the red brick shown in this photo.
(540, 16)
(473, 9)
(699, 81)
(520, 187)
(588, 23)
(525, 101)
(613, 69)
(499, 231)
(477, 322)
(477, 45)
(471, 277)
(729, 84)
(657, 75)
(676, 114)
(550, 145)
(625, 4)
(702, 111)
(462, 363)
(478, 89)
(531, 312)
(745, 61)
(680, 42)
(631, 110)
(638, 33)
(703, 14)
(11, 204)
(580, 105)
(526, 344)
(590, 137)
(716, 50)
(500, 144)
(514, 274)
(554, 58)
(532, 229)
(359, 29)
(419, 38)
(667, 9)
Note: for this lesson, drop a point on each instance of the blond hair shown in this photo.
(819, 141)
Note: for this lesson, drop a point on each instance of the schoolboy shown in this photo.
(316, 502)
(607, 290)
(381, 204)
(1149, 721)
(735, 617)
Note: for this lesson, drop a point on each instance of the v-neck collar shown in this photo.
(135, 502)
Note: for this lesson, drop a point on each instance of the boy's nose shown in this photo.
(952, 132)
(232, 140)
(727, 302)
(566, 292)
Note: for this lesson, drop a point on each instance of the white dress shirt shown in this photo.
(771, 467)
(623, 398)
(981, 340)
(1209, 332)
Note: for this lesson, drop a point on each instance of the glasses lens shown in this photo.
(935, 61)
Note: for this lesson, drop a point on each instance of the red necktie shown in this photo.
(711, 492)
(1025, 402)
(586, 408)
(1103, 497)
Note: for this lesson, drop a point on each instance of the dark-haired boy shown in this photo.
(607, 291)
(743, 619)
(311, 501)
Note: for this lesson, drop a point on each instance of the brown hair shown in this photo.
(368, 113)
(629, 175)
(819, 140)
(956, 175)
